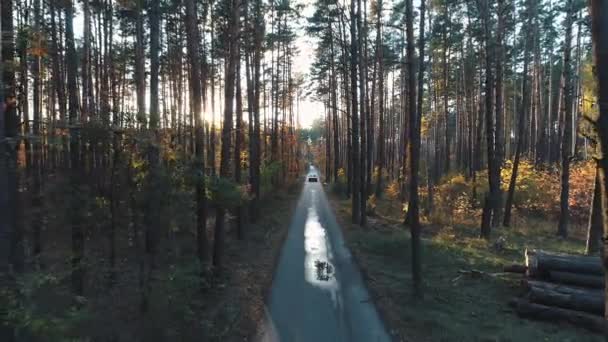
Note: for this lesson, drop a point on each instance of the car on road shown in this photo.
(312, 178)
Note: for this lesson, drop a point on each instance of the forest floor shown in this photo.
(225, 307)
(455, 307)
(239, 306)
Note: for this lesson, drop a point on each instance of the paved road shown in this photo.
(317, 293)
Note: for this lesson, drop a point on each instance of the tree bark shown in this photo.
(578, 279)
(356, 166)
(491, 197)
(75, 213)
(498, 103)
(540, 263)
(7, 174)
(192, 32)
(594, 228)
(414, 146)
(140, 72)
(381, 125)
(548, 313)
(229, 87)
(238, 142)
(566, 141)
(257, 58)
(361, 35)
(520, 129)
(581, 300)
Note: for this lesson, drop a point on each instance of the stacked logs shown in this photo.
(562, 288)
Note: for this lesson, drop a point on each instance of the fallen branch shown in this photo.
(476, 274)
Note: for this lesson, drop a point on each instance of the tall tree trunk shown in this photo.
(356, 166)
(599, 32)
(140, 72)
(566, 146)
(154, 14)
(23, 40)
(58, 76)
(6, 162)
(498, 146)
(37, 146)
(594, 228)
(76, 215)
(381, 126)
(446, 90)
(153, 196)
(525, 100)
(257, 152)
(193, 37)
(491, 197)
(238, 142)
(334, 103)
(86, 63)
(362, 109)
(414, 146)
(229, 83)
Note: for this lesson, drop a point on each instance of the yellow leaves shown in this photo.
(137, 163)
(589, 107)
(375, 174)
(454, 194)
(38, 45)
(170, 155)
(425, 125)
(392, 190)
(526, 175)
(244, 159)
(537, 191)
(582, 177)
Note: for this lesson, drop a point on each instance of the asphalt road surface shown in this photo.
(317, 292)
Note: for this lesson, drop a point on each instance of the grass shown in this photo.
(455, 306)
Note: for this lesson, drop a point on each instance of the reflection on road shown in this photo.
(318, 269)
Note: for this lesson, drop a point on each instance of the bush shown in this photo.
(537, 191)
(226, 193)
(339, 187)
(393, 191)
(455, 195)
(269, 173)
(33, 309)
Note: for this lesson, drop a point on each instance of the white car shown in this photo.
(312, 178)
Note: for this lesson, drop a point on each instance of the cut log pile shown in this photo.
(562, 288)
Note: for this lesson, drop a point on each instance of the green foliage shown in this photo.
(339, 187)
(182, 285)
(268, 173)
(37, 309)
(316, 131)
(225, 193)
